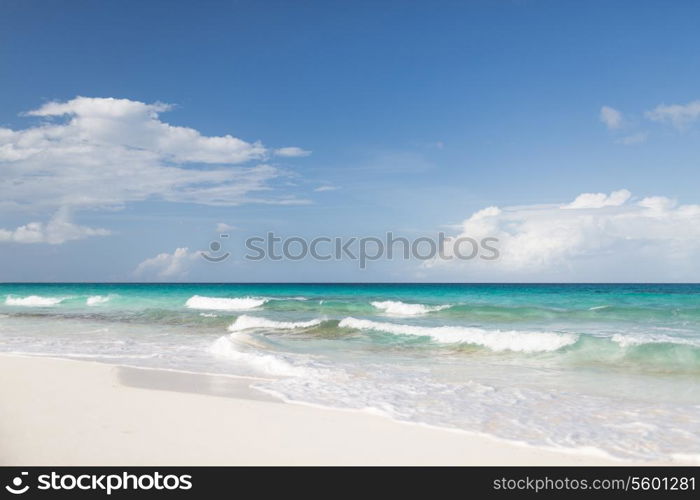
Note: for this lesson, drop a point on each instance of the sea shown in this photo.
(609, 369)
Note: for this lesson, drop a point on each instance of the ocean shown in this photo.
(611, 369)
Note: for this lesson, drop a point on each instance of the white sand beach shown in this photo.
(65, 412)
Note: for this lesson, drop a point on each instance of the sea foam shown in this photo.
(496, 340)
(96, 300)
(32, 301)
(224, 304)
(270, 364)
(246, 322)
(398, 308)
(631, 340)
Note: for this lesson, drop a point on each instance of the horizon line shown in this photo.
(346, 283)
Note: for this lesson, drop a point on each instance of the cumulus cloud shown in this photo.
(97, 153)
(136, 125)
(611, 117)
(55, 232)
(678, 115)
(110, 151)
(592, 232)
(291, 152)
(167, 265)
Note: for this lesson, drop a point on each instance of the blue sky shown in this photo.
(416, 114)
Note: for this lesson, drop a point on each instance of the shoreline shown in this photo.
(74, 412)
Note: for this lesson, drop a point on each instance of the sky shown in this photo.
(136, 135)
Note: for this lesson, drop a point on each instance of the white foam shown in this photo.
(209, 315)
(596, 308)
(224, 304)
(96, 300)
(398, 308)
(246, 322)
(629, 340)
(495, 340)
(32, 301)
(270, 364)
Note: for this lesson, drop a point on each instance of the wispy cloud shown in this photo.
(321, 189)
(223, 227)
(611, 117)
(637, 138)
(291, 152)
(679, 115)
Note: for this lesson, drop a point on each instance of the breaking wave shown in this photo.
(32, 301)
(224, 304)
(398, 308)
(496, 340)
(246, 322)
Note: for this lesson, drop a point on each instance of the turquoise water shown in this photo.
(613, 369)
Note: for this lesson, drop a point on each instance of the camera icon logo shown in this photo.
(215, 247)
(16, 487)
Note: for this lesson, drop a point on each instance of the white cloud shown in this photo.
(611, 117)
(55, 232)
(222, 227)
(599, 200)
(653, 238)
(168, 265)
(135, 125)
(112, 151)
(321, 189)
(291, 152)
(98, 153)
(679, 115)
(637, 138)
